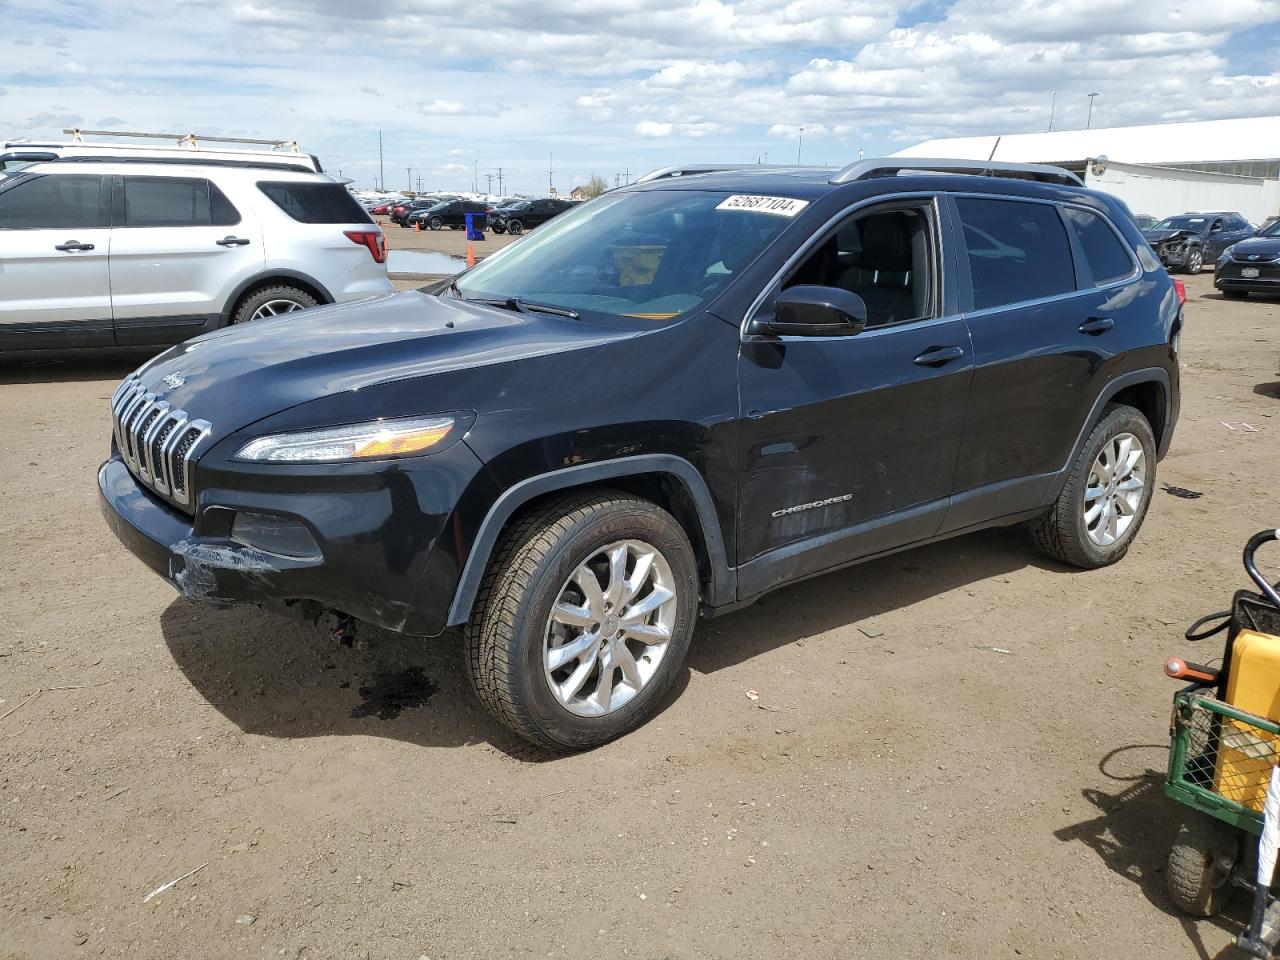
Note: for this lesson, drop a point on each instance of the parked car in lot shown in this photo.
(16, 154)
(136, 254)
(1250, 266)
(400, 211)
(523, 215)
(668, 402)
(1145, 221)
(451, 214)
(1189, 241)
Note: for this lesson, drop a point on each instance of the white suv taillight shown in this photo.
(372, 240)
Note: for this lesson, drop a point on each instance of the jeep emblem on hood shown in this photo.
(173, 381)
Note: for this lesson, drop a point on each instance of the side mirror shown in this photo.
(814, 311)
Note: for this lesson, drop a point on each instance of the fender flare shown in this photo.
(1157, 375)
(720, 590)
(263, 275)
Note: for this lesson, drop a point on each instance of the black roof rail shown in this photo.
(892, 166)
(689, 169)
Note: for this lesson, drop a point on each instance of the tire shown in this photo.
(1064, 531)
(436, 223)
(511, 629)
(1235, 294)
(515, 227)
(1200, 864)
(262, 299)
(1195, 261)
(499, 228)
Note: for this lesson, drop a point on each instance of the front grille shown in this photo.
(156, 440)
(1234, 269)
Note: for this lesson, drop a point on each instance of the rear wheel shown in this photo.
(515, 227)
(1105, 499)
(583, 620)
(1200, 865)
(271, 302)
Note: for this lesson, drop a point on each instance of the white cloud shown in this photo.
(651, 128)
(436, 108)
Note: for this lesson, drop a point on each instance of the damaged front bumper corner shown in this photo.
(210, 569)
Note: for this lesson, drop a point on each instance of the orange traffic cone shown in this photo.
(417, 226)
(471, 254)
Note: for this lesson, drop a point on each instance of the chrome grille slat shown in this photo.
(156, 441)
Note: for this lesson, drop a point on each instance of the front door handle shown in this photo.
(937, 356)
(74, 245)
(1096, 325)
(232, 242)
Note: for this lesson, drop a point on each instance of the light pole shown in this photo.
(1089, 122)
(799, 144)
(409, 173)
(1053, 102)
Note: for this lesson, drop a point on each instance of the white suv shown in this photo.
(141, 254)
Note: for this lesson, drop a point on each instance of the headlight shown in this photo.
(359, 441)
(1227, 252)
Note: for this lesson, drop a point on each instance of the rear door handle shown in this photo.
(74, 245)
(232, 242)
(937, 356)
(1096, 325)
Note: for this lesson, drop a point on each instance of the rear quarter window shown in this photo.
(315, 202)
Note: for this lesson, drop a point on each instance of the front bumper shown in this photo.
(1230, 275)
(387, 553)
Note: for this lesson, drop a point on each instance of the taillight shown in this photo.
(1181, 289)
(371, 240)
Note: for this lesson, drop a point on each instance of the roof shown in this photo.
(1203, 141)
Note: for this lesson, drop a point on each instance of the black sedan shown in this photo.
(516, 218)
(1190, 240)
(451, 214)
(1251, 265)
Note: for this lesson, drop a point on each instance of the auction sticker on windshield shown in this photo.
(779, 206)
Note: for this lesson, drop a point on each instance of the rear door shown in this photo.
(55, 284)
(178, 244)
(1042, 333)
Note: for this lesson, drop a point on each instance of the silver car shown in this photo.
(148, 254)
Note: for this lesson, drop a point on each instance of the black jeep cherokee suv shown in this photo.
(666, 402)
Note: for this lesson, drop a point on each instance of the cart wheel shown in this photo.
(1200, 866)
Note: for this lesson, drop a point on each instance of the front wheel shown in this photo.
(499, 228)
(1200, 865)
(436, 223)
(583, 619)
(1104, 501)
(1195, 261)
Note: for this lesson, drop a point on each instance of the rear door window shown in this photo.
(1017, 251)
(174, 202)
(1106, 256)
(318, 202)
(42, 202)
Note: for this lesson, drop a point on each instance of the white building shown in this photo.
(1159, 169)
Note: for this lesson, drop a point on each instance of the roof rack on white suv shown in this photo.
(182, 148)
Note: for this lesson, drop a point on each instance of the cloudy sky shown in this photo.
(611, 86)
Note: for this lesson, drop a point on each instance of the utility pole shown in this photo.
(419, 183)
(489, 187)
(1053, 102)
(475, 176)
(551, 162)
(1089, 122)
(409, 173)
(799, 145)
(382, 174)
(500, 192)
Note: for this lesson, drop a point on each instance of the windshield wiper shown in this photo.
(520, 305)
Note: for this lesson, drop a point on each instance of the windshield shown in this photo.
(654, 255)
(1273, 230)
(1181, 223)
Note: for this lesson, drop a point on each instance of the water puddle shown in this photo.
(424, 261)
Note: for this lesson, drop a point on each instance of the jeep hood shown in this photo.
(240, 374)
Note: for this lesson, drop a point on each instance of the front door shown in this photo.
(55, 288)
(849, 443)
(178, 245)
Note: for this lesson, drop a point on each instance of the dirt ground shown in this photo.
(899, 789)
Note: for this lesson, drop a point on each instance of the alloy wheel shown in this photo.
(1117, 484)
(274, 308)
(610, 628)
